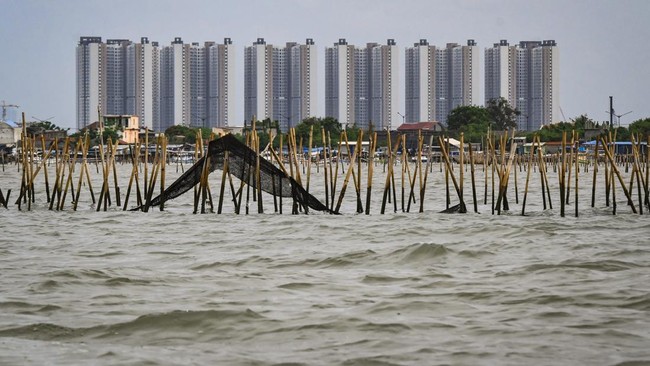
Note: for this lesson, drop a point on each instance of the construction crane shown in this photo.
(6, 106)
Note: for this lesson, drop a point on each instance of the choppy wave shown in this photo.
(176, 288)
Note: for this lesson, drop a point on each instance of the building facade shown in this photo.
(527, 76)
(280, 82)
(362, 85)
(91, 80)
(440, 79)
(179, 84)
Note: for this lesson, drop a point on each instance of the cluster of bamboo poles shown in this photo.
(404, 186)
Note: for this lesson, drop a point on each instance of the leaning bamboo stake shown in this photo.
(69, 184)
(647, 173)
(348, 174)
(258, 175)
(131, 178)
(404, 167)
(224, 174)
(426, 173)
(311, 139)
(528, 171)
(163, 164)
(45, 158)
(325, 178)
(336, 172)
(371, 158)
(388, 175)
(636, 173)
(577, 168)
(562, 175)
(503, 179)
(445, 154)
(620, 179)
(593, 185)
(472, 171)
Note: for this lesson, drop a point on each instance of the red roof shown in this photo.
(418, 126)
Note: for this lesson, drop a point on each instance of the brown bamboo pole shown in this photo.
(258, 175)
(593, 184)
(528, 172)
(309, 143)
(145, 185)
(577, 168)
(45, 158)
(69, 183)
(163, 165)
(472, 171)
(336, 172)
(426, 174)
(222, 187)
(348, 174)
(325, 178)
(445, 154)
(388, 174)
(647, 173)
(404, 168)
(505, 176)
(636, 173)
(562, 175)
(371, 158)
(620, 178)
(358, 177)
(461, 161)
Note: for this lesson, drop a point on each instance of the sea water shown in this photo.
(176, 288)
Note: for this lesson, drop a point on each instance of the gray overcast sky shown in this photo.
(603, 44)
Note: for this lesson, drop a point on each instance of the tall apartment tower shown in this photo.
(143, 82)
(383, 83)
(186, 84)
(116, 66)
(280, 82)
(91, 80)
(361, 84)
(197, 84)
(527, 76)
(440, 79)
(258, 81)
(174, 85)
(221, 83)
(420, 74)
(302, 84)
(340, 82)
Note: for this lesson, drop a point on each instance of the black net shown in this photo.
(242, 162)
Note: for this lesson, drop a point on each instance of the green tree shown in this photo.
(641, 127)
(330, 125)
(466, 115)
(502, 114)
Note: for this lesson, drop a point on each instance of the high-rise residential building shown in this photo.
(174, 85)
(91, 80)
(527, 76)
(362, 84)
(221, 83)
(143, 82)
(420, 74)
(340, 82)
(302, 83)
(258, 81)
(440, 79)
(280, 82)
(186, 84)
(116, 67)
